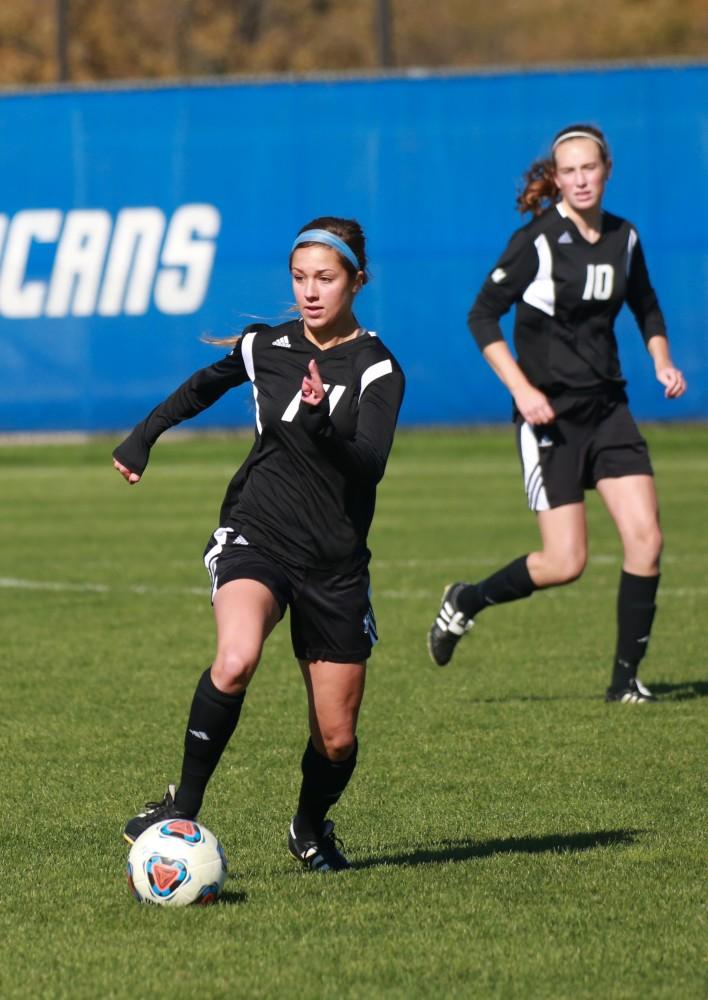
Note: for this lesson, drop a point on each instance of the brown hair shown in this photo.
(540, 188)
(348, 230)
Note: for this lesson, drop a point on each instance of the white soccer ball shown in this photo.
(176, 862)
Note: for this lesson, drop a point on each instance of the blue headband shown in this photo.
(329, 240)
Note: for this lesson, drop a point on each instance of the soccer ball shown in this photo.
(176, 862)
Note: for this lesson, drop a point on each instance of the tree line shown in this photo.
(42, 41)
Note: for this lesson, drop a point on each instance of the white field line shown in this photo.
(15, 583)
(561, 592)
(457, 469)
(598, 559)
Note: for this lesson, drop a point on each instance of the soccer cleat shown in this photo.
(154, 813)
(322, 855)
(635, 693)
(449, 626)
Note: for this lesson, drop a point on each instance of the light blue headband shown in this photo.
(330, 240)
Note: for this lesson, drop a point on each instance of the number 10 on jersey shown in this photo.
(599, 282)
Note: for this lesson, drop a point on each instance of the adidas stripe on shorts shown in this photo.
(561, 460)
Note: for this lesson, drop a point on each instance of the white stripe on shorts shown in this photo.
(211, 557)
(533, 475)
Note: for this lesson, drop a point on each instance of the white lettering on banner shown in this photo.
(186, 263)
(132, 262)
(20, 299)
(78, 263)
(104, 268)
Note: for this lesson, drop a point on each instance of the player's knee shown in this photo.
(653, 542)
(658, 542)
(646, 545)
(338, 744)
(233, 668)
(567, 567)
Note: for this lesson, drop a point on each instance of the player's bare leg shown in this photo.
(560, 560)
(633, 506)
(564, 546)
(245, 612)
(334, 694)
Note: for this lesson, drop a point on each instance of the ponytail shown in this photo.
(540, 189)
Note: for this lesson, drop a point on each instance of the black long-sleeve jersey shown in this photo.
(307, 490)
(568, 293)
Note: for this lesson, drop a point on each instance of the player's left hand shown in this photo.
(312, 388)
(130, 477)
(673, 381)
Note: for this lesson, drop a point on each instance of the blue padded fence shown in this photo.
(134, 221)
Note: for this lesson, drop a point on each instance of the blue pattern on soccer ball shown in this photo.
(165, 889)
(131, 883)
(208, 894)
(185, 830)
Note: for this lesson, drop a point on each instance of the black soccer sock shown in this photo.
(323, 782)
(508, 584)
(212, 720)
(635, 615)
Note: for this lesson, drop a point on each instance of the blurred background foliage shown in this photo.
(42, 41)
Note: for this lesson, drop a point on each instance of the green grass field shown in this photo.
(513, 836)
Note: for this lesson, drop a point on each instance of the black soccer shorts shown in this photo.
(331, 617)
(563, 459)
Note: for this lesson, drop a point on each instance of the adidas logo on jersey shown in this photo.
(282, 342)
(239, 539)
(565, 237)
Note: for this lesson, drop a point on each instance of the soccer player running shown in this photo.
(293, 526)
(568, 272)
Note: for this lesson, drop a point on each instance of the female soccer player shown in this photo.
(568, 272)
(293, 526)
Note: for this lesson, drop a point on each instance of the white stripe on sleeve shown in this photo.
(541, 293)
(373, 372)
(247, 355)
(631, 244)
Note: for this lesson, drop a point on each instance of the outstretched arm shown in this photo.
(200, 391)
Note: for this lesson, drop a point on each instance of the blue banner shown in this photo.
(133, 222)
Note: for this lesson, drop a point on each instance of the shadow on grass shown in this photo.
(509, 699)
(468, 850)
(683, 691)
(228, 898)
(672, 692)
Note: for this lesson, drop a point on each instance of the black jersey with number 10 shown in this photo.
(306, 491)
(568, 293)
